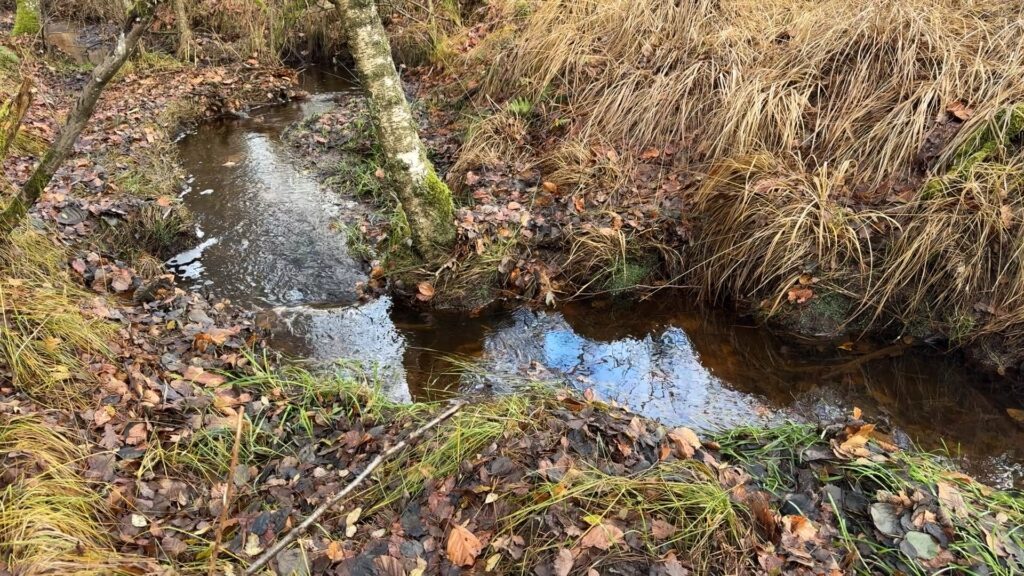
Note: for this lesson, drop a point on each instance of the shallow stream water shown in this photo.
(272, 239)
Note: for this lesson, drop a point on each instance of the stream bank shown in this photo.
(131, 477)
(274, 240)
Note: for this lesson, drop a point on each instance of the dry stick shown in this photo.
(309, 521)
(219, 538)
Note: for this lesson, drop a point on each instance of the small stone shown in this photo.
(919, 545)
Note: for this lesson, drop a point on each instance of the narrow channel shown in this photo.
(271, 239)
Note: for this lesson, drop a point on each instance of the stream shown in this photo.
(272, 239)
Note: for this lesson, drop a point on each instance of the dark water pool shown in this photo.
(273, 239)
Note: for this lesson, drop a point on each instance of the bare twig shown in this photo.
(380, 459)
(226, 505)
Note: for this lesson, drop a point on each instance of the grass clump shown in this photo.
(685, 493)
(981, 526)
(51, 520)
(45, 338)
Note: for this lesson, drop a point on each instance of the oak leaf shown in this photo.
(463, 546)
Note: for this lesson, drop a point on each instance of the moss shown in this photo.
(627, 276)
(26, 19)
(9, 60)
(439, 198)
(828, 313)
(988, 138)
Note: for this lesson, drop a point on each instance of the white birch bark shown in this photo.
(425, 199)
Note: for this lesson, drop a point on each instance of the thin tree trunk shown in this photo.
(138, 21)
(26, 18)
(186, 41)
(11, 115)
(425, 200)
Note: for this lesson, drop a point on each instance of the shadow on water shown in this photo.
(273, 240)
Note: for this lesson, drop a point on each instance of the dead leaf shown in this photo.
(202, 377)
(463, 546)
(1016, 414)
(136, 434)
(650, 154)
(662, 530)
(602, 536)
(425, 291)
(951, 499)
(335, 552)
(960, 110)
(799, 295)
(800, 527)
(685, 441)
(563, 562)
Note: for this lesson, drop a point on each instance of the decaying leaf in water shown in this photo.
(463, 546)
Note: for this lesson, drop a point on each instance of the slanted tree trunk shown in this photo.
(27, 17)
(11, 115)
(425, 199)
(138, 21)
(186, 41)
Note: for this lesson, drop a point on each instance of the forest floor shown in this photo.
(124, 400)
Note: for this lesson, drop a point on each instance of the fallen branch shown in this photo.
(380, 459)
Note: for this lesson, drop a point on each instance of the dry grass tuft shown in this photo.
(874, 145)
(51, 520)
(45, 338)
(500, 137)
(765, 226)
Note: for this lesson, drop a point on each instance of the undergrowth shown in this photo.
(46, 340)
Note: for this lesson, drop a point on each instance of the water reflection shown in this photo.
(271, 242)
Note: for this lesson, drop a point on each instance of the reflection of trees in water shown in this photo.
(931, 397)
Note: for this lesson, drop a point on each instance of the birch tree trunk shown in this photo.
(425, 199)
(138, 21)
(26, 17)
(186, 41)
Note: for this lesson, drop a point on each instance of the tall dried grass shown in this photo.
(51, 520)
(872, 144)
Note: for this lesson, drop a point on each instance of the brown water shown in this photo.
(272, 240)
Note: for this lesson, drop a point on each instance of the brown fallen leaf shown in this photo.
(202, 377)
(136, 434)
(1016, 414)
(800, 527)
(960, 110)
(662, 530)
(463, 546)
(335, 551)
(563, 562)
(685, 442)
(650, 154)
(602, 536)
(799, 295)
(425, 291)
